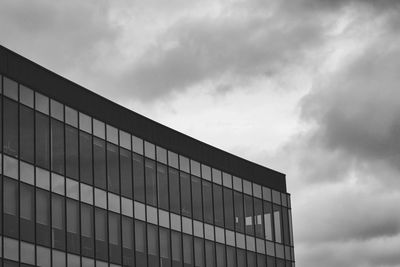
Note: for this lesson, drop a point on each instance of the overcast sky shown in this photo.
(307, 87)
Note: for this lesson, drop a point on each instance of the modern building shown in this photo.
(86, 182)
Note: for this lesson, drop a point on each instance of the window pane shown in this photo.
(217, 176)
(99, 154)
(27, 220)
(239, 215)
(42, 103)
(268, 220)
(184, 164)
(26, 96)
(173, 159)
(57, 110)
(101, 234)
(125, 140)
(206, 172)
(187, 250)
(162, 178)
(10, 127)
(71, 116)
(152, 245)
(277, 224)
(58, 222)
(221, 261)
(161, 155)
(73, 226)
(199, 252)
(151, 190)
(112, 168)
(42, 140)
(186, 195)
(42, 217)
(10, 208)
(149, 150)
(126, 172)
(195, 168)
(114, 231)
(26, 128)
(258, 218)
(71, 152)
(176, 246)
(87, 230)
(85, 157)
(218, 205)
(231, 256)
(98, 128)
(174, 190)
(85, 123)
(207, 202)
(137, 145)
(127, 241)
(57, 146)
(140, 243)
(112, 134)
(165, 247)
(210, 254)
(285, 223)
(197, 199)
(248, 212)
(138, 177)
(228, 209)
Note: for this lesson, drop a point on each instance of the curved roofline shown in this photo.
(61, 89)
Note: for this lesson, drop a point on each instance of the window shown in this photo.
(42, 103)
(220, 251)
(239, 215)
(10, 209)
(71, 116)
(101, 234)
(127, 241)
(58, 222)
(85, 157)
(26, 96)
(162, 186)
(57, 146)
(99, 160)
(138, 177)
(71, 152)
(174, 190)
(137, 145)
(186, 195)
(85, 123)
(249, 214)
(73, 244)
(161, 155)
(152, 245)
(42, 217)
(57, 110)
(165, 247)
(187, 250)
(230, 256)
(268, 220)
(126, 172)
(207, 202)
(112, 168)
(195, 168)
(42, 140)
(277, 224)
(173, 159)
(258, 218)
(184, 164)
(149, 150)
(199, 252)
(218, 205)
(140, 243)
(27, 209)
(176, 245)
(26, 130)
(210, 254)
(228, 209)
(151, 187)
(10, 127)
(87, 240)
(197, 199)
(114, 231)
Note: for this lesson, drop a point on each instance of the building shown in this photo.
(86, 182)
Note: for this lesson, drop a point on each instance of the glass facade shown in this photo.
(76, 191)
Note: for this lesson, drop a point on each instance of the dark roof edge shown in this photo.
(61, 89)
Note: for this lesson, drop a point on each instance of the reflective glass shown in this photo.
(149, 150)
(239, 214)
(174, 190)
(257, 190)
(42, 140)
(10, 247)
(10, 127)
(184, 164)
(206, 172)
(227, 180)
(217, 176)
(138, 177)
(41, 103)
(73, 233)
(99, 161)
(186, 225)
(163, 218)
(113, 168)
(152, 245)
(58, 258)
(161, 155)
(113, 202)
(151, 183)
(26, 131)
(101, 234)
(277, 224)
(100, 198)
(210, 254)
(162, 186)
(187, 250)
(173, 159)
(176, 246)
(98, 128)
(276, 197)
(231, 257)
(71, 152)
(165, 247)
(86, 194)
(27, 173)
(27, 253)
(220, 255)
(228, 209)
(57, 110)
(247, 187)
(175, 222)
(207, 202)
(249, 214)
(10, 88)
(42, 256)
(126, 172)
(186, 196)
(72, 188)
(10, 208)
(58, 222)
(26, 96)
(27, 213)
(218, 205)
(195, 168)
(85, 123)
(71, 116)
(199, 252)
(197, 199)
(258, 218)
(127, 207)
(112, 134)
(125, 140)
(237, 184)
(42, 217)
(10, 167)
(137, 145)
(140, 243)
(85, 157)
(114, 232)
(42, 178)
(152, 215)
(127, 241)
(57, 146)
(140, 211)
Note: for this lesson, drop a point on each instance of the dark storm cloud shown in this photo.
(62, 35)
(243, 45)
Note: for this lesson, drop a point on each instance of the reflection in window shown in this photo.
(42, 140)
(140, 243)
(174, 190)
(162, 186)
(85, 157)
(26, 137)
(197, 199)
(99, 160)
(164, 248)
(42, 217)
(248, 212)
(151, 188)
(186, 195)
(207, 202)
(27, 208)
(57, 146)
(268, 220)
(112, 168)
(239, 215)
(285, 222)
(126, 172)
(138, 177)
(152, 245)
(114, 232)
(258, 218)
(277, 224)
(10, 127)
(73, 226)
(58, 222)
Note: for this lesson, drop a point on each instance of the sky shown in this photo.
(307, 87)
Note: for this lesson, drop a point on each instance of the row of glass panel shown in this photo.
(76, 119)
(36, 215)
(24, 254)
(35, 137)
(277, 220)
